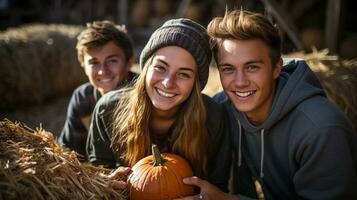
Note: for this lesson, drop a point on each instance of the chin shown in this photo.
(162, 107)
(241, 108)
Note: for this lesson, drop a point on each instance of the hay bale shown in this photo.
(338, 77)
(34, 166)
(38, 62)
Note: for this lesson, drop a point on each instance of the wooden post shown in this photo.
(284, 21)
(122, 15)
(332, 24)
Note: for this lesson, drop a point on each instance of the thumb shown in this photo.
(194, 181)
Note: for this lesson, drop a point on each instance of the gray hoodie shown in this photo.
(305, 149)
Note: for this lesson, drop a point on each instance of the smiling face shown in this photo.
(170, 78)
(106, 66)
(248, 77)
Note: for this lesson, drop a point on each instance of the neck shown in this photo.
(164, 115)
(161, 121)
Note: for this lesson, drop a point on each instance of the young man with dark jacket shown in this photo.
(289, 140)
(105, 51)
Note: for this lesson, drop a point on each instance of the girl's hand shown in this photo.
(113, 177)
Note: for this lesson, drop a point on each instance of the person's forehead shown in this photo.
(108, 49)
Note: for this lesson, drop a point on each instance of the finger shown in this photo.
(120, 171)
(118, 185)
(194, 181)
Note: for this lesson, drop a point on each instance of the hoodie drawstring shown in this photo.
(261, 153)
(240, 145)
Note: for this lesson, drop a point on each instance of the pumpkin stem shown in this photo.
(158, 160)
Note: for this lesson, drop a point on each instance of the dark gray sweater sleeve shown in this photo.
(220, 154)
(74, 132)
(98, 147)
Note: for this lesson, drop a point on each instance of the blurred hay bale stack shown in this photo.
(38, 62)
(338, 77)
(34, 166)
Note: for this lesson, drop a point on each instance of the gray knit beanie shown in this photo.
(186, 34)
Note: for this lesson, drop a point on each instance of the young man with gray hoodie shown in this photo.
(289, 141)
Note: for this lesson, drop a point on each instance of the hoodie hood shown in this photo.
(296, 83)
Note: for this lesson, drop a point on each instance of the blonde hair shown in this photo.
(245, 25)
(131, 139)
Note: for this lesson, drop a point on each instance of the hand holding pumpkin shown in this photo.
(119, 172)
(208, 191)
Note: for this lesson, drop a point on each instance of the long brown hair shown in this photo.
(131, 135)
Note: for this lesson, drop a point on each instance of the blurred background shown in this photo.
(39, 69)
(304, 23)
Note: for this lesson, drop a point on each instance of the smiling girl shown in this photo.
(165, 107)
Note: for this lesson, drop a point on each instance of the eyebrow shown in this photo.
(108, 57)
(254, 62)
(180, 68)
(112, 56)
(247, 63)
(224, 64)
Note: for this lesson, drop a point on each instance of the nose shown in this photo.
(241, 79)
(104, 69)
(169, 81)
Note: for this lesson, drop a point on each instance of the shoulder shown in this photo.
(216, 116)
(220, 97)
(82, 99)
(109, 100)
(84, 90)
(320, 112)
(316, 120)
(212, 107)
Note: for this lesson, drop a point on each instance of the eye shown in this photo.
(94, 64)
(159, 68)
(183, 75)
(226, 69)
(112, 61)
(252, 68)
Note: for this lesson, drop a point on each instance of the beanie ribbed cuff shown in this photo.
(186, 34)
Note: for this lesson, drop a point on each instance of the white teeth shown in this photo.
(165, 94)
(106, 80)
(244, 94)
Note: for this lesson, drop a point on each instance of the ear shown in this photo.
(277, 68)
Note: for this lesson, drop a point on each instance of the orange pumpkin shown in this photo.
(159, 177)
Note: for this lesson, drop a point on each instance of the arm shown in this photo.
(98, 147)
(220, 149)
(74, 133)
(327, 169)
